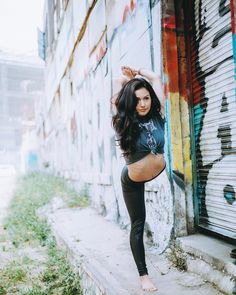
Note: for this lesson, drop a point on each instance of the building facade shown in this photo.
(192, 45)
(21, 86)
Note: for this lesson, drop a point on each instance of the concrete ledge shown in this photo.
(95, 277)
(100, 251)
(210, 258)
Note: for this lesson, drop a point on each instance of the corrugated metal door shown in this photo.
(214, 109)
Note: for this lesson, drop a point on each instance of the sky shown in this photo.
(19, 20)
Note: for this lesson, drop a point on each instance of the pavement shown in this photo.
(100, 251)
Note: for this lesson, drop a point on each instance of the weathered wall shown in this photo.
(76, 137)
(174, 62)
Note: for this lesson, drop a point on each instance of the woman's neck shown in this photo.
(144, 119)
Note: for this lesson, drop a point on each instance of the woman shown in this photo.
(139, 125)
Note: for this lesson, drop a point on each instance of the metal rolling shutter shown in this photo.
(214, 108)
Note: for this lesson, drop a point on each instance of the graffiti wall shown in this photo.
(214, 115)
(178, 150)
(77, 140)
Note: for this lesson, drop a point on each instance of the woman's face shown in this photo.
(144, 101)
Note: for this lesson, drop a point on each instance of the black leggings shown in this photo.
(133, 193)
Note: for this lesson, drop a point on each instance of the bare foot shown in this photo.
(147, 284)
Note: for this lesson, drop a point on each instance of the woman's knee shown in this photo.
(137, 224)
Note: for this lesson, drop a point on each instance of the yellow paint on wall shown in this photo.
(180, 136)
(187, 162)
(176, 137)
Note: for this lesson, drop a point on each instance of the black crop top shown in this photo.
(151, 140)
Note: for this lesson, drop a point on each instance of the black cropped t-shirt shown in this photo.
(150, 140)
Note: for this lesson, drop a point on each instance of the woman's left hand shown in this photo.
(129, 72)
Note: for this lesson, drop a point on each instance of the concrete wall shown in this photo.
(75, 134)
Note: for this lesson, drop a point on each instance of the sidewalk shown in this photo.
(101, 251)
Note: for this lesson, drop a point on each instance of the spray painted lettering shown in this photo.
(215, 110)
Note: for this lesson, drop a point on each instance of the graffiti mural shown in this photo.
(214, 115)
(77, 134)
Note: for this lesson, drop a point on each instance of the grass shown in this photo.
(34, 191)
(24, 229)
(73, 199)
(10, 275)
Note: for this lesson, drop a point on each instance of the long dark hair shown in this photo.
(126, 120)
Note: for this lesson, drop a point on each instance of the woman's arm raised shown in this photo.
(127, 75)
(152, 77)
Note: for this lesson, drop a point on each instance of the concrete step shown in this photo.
(210, 258)
(100, 250)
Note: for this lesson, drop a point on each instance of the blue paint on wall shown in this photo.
(167, 149)
(234, 48)
(198, 111)
(32, 161)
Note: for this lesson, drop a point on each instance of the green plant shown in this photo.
(177, 256)
(11, 274)
(2, 290)
(77, 199)
(58, 273)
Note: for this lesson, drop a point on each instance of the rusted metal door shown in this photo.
(214, 115)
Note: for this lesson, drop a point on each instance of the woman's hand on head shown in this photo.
(129, 72)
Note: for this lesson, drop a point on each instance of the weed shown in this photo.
(58, 274)
(11, 275)
(177, 256)
(77, 199)
(36, 290)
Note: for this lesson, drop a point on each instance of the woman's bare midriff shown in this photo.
(146, 168)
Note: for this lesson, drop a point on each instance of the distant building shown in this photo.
(21, 85)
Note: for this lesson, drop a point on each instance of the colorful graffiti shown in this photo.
(214, 113)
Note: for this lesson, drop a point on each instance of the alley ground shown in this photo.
(101, 249)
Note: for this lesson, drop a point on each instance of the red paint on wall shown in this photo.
(170, 53)
(132, 5)
(196, 85)
(183, 87)
(169, 23)
(125, 13)
(182, 59)
(101, 51)
(128, 10)
(233, 15)
(174, 55)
